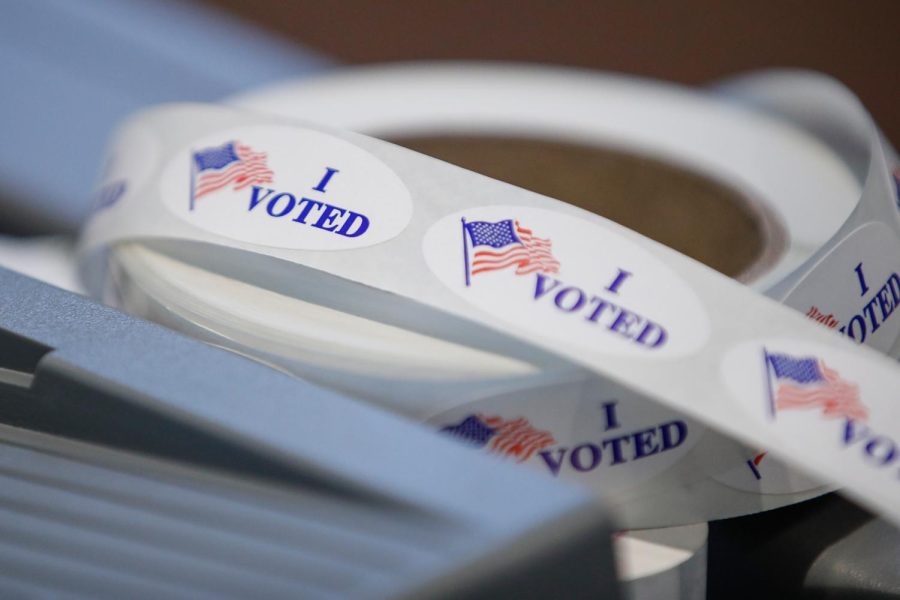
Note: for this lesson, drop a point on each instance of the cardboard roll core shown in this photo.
(690, 212)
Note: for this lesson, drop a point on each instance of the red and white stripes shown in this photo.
(517, 437)
(533, 254)
(836, 397)
(249, 169)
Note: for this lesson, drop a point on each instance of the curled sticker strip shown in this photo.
(469, 259)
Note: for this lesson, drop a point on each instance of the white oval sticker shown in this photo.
(567, 278)
(817, 396)
(855, 288)
(579, 432)
(286, 187)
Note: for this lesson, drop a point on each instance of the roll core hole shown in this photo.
(685, 210)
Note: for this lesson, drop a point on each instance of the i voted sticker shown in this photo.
(286, 188)
(607, 441)
(583, 285)
(855, 288)
(817, 396)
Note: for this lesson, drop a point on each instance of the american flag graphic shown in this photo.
(808, 383)
(505, 244)
(513, 437)
(232, 164)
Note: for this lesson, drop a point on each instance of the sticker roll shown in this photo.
(612, 323)
(625, 129)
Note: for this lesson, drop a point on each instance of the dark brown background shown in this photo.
(693, 42)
